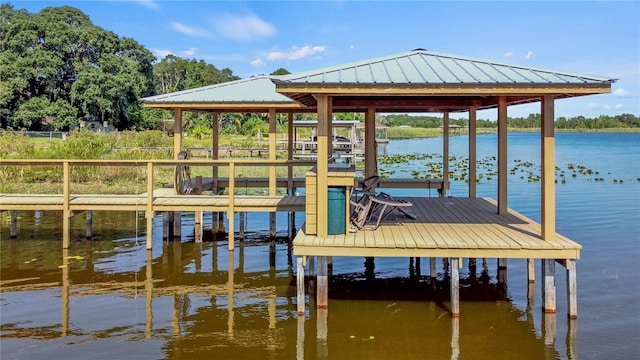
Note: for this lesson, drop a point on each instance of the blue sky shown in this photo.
(257, 37)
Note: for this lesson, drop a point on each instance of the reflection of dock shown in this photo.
(185, 305)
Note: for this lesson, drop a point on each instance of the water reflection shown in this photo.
(196, 299)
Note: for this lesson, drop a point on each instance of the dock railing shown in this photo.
(119, 201)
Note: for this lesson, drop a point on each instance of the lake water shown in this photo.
(109, 298)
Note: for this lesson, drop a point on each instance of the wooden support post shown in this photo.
(177, 132)
(177, 225)
(433, 273)
(455, 287)
(242, 215)
(548, 181)
(272, 151)
(322, 167)
(322, 296)
(572, 290)
(272, 224)
(502, 271)
(272, 254)
(198, 186)
(502, 156)
(14, 224)
(290, 139)
(89, 224)
(66, 212)
(300, 287)
(531, 270)
(370, 161)
(472, 153)
(548, 286)
(311, 264)
(149, 213)
(166, 225)
(231, 211)
(215, 149)
(445, 155)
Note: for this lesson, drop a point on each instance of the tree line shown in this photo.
(531, 121)
(58, 69)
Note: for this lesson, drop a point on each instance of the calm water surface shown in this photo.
(110, 298)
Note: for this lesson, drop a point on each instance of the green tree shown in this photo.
(175, 74)
(73, 67)
(281, 71)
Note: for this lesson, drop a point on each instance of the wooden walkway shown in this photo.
(163, 200)
(444, 227)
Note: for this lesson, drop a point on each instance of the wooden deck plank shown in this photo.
(482, 226)
(508, 226)
(449, 227)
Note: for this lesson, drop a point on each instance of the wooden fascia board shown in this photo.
(444, 89)
(225, 107)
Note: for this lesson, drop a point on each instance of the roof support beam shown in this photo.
(548, 191)
(502, 156)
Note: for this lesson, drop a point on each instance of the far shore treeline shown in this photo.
(60, 72)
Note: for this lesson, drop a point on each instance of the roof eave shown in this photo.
(289, 89)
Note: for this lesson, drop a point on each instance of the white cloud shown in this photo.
(244, 28)
(295, 53)
(597, 106)
(508, 54)
(529, 55)
(352, 46)
(189, 31)
(619, 106)
(161, 53)
(258, 63)
(189, 52)
(620, 92)
(150, 4)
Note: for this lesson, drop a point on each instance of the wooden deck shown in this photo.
(444, 227)
(163, 200)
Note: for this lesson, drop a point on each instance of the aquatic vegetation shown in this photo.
(424, 166)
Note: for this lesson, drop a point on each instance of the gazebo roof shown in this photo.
(413, 81)
(421, 80)
(256, 94)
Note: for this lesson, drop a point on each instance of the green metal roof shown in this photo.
(256, 91)
(418, 80)
(425, 67)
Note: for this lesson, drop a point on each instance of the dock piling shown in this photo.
(89, 222)
(14, 224)
(455, 287)
(322, 295)
(300, 287)
(548, 286)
